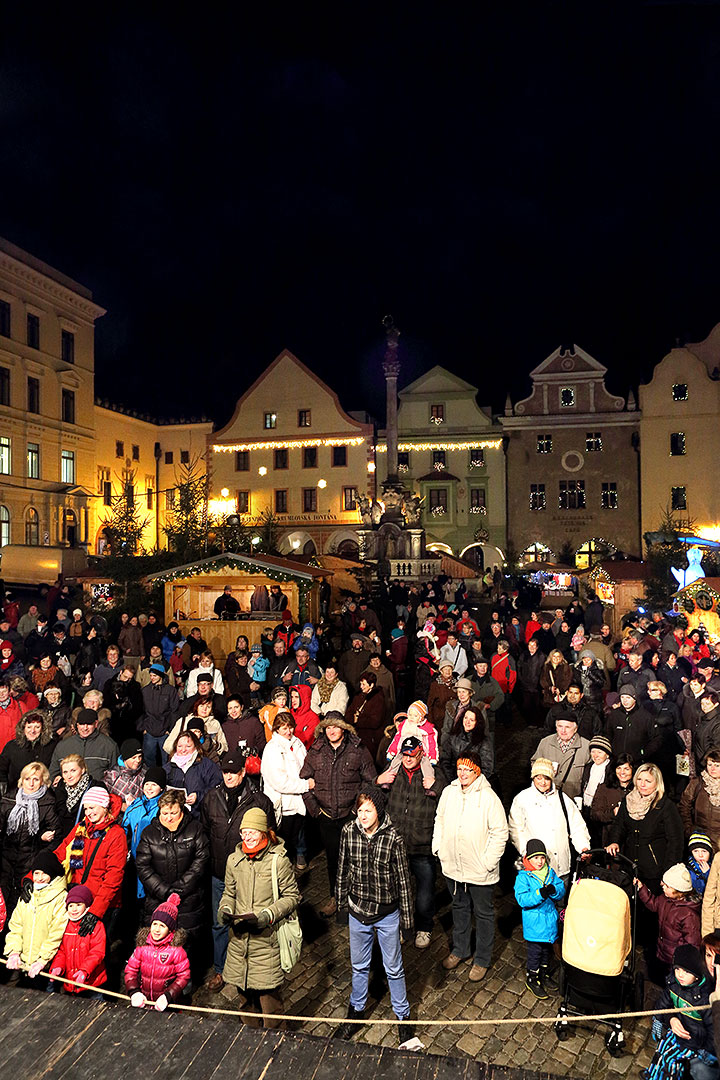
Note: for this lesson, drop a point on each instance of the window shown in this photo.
(310, 457)
(184, 457)
(544, 444)
(437, 414)
(269, 420)
(129, 494)
(68, 409)
(103, 476)
(280, 459)
(403, 460)
(67, 466)
(168, 457)
(4, 526)
(338, 457)
(349, 498)
(593, 440)
(33, 331)
(242, 461)
(537, 497)
(33, 397)
(69, 527)
(477, 457)
(677, 443)
(243, 502)
(149, 492)
(32, 527)
(281, 501)
(119, 448)
(572, 495)
(567, 397)
(678, 498)
(33, 461)
(135, 452)
(4, 455)
(107, 493)
(67, 347)
(438, 501)
(439, 460)
(309, 500)
(477, 500)
(609, 497)
(303, 417)
(4, 318)
(680, 391)
(4, 386)
(170, 499)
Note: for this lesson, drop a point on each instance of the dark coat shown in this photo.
(367, 715)
(678, 922)
(707, 733)
(628, 732)
(161, 707)
(528, 669)
(603, 807)
(125, 702)
(237, 679)
(655, 842)
(338, 774)
(202, 775)
(699, 1026)
(412, 809)
(219, 707)
(223, 828)
(698, 814)
(20, 848)
(19, 752)
(247, 731)
(170, 862)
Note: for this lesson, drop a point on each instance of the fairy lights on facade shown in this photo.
(288, 444)
(483, 444)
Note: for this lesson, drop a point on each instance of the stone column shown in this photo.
(391, 370)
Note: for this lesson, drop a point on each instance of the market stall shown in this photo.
(618, 584)
(699, 602)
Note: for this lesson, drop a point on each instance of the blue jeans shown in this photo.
(703, 1070)
(361, 946)
(151, 745)
(423, 868)
(220, 933)
(464, 899)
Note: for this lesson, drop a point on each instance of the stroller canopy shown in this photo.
(596, 936)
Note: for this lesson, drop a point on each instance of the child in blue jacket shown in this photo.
(537, 887)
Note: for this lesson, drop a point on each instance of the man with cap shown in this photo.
(98, 749)
(628, 725)
(586, 716)
(221, 813)
(374, 887)
(205, 692)
(161, 707)
(353, 662)
(708, 667)
(568, 751)
(413, 813)
(536, 811)
(226, 606)
(339, 765)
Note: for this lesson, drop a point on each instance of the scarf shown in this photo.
(251, 852)
(638, 805)
(75, 794)
(564, 746)
(325, 689)
(25, 811)
(184, 761)
(77, 847)
(542, 873)
(42, 678)
(712, 787)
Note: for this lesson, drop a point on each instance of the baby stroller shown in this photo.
(598, 947)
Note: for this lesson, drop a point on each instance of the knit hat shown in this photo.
(376, 796)
(286, 616)
(48, 863)
(470, 762)
(689, 959)
(699, 839)
(542, 767)
(444, 664)
(5, 645)
(279, 691)
(678, 877)
(629, 690)
(420, 706)
(255, 818)
(129, 748)
(156, 775)
(87, 716)
(599, 742)
(256, 647)
(195, 723)
(96, 796)
(168, 911)
(535, 847)
(79, 894)
(158, 669)
(77, 611)
(464, 684)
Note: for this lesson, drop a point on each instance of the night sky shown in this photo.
(501, 182)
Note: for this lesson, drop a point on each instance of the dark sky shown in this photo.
(501, 182)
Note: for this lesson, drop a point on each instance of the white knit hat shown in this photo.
(678, 877)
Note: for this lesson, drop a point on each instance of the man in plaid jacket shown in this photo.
(374, 887)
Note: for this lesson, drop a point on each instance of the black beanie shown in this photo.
(376, 796)
(689, 958)
(156, 775)
(535, 847)
(130, 748)
(48, 863)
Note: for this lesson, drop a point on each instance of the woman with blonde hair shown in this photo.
(648, 828)
(555, 677)
(28, 823)
(68, 789)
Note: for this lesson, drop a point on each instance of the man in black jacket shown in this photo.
(221, 812)
(628, 726)
(161, 706)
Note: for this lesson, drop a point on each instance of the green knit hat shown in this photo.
(255, 818)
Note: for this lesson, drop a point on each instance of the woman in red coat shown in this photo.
(306, 720)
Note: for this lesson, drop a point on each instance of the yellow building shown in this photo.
(291, 448)
(680, 437)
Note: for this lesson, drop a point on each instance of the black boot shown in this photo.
(347, 1031)
(547, 980)
(406, 1032)
(533, 983)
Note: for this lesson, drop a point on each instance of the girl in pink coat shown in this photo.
(158, 970)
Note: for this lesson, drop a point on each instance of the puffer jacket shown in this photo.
(282, 761)
(103, 861)
(20, 848)
(539, 913)
(157, 969)
(534, 815)
(223, 827)
(338, 774)
(86, 954)
(253, 958)
(470, 833)
(202, 775)
(456, 745)
(678, 922)
(654, 842)
(170, 862)
(698, 1024)
(37, 926)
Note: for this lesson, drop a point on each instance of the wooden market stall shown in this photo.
(618, 584)
(699, 602)
(191, 592)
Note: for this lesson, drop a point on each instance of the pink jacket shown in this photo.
(158, 969)
(425, 732)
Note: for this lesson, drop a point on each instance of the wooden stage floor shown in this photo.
(53, 1036)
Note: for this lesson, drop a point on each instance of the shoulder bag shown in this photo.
(288, 930)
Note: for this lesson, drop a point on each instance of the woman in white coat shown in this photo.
(282, 760)
(469, 838)
(537, 813)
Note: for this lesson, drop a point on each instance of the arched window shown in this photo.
(349, 548)
(70, 527)
(4, 526)
(32, 527)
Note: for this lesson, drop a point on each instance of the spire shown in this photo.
(508, 406)
(631, 403)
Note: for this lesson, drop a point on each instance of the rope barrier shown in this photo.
(419, 1022)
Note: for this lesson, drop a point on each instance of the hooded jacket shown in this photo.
(537, 815)
(470, 833)
(678, 922)
(306, 719)
(338, 774)
(282, 761)
(104, 855)
(157, 969)
(539, 913)
(78, 953)
(37, 925)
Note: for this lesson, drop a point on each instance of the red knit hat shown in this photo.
(168, 912)
(420, 706)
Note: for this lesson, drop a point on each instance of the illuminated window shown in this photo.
(304, 417)
(280, 459)
(242, 461)
(437, 414)
(309, 500)
(544, 444)
(67, 466)
(243, 502)
(567, 397)
(572, 495)
(32, 527)
(609, 496)
(269, 420)
(338, 457)
(33, 461)
(677, 443)
(281, 502)
(680, 391)
(310, 457)
(678, 498)
(537, 497)
(4, 526)
(477, 457)
(4, 455)
(593, 440)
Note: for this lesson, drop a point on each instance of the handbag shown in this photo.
(289, 933)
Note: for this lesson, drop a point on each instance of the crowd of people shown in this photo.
(159, 808)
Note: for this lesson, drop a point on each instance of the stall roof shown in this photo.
(622, 569)
(252, 563)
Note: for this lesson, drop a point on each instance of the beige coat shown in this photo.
(37, 927)
(711, 899)
(470, 833)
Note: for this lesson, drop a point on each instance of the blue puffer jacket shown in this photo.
(310, 642)
(139, 813)
(539, 914)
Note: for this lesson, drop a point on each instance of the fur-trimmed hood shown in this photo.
(46, 735)
(103, 721)
(333, 722)
(176, 937)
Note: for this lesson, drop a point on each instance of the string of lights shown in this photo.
(288, 444)
(481, 444)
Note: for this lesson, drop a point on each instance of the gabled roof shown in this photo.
(438, 380)
(252, 563)
(570, 359)
(708, 350)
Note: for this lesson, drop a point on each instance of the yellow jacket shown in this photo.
(37, 927)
